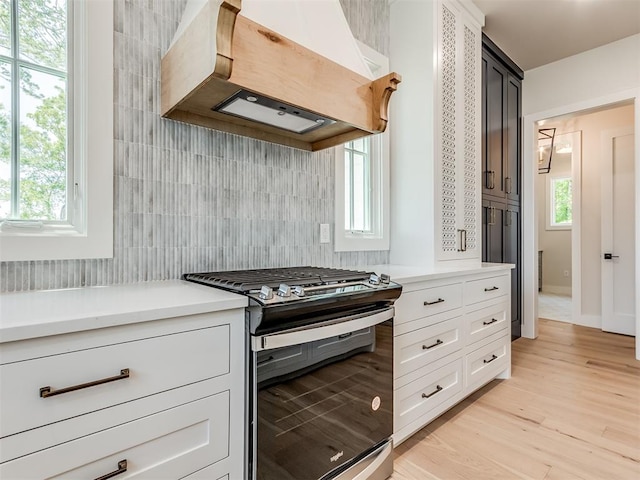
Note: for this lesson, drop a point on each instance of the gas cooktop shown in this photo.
(278, 285)
(243, 281)
(292, 297)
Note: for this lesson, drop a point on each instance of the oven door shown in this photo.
(322, 397)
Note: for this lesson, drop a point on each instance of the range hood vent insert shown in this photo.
(304, 99)
(261, 109)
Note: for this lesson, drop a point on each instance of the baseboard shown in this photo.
(556, 289)
(593, 321)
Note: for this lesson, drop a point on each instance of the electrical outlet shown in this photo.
(566, 273)
(325, 233)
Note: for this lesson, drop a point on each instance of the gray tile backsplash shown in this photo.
(193, 199)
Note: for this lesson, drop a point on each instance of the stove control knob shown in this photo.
(384, 278)
(374, 279)
(299, 291)
(284, 290)
(266, 293)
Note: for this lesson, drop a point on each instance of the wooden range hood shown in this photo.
(221, 52)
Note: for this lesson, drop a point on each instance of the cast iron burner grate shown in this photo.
(243, 281)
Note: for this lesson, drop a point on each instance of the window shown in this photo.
(56, 129)
(560, 198)
(362, 183)
(33, 110)
(358, 186)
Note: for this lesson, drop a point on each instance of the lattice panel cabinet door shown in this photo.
(458, 137)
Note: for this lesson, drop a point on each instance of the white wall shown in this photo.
(602, 76)
(612, 68)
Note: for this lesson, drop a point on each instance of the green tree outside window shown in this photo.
(33, 109)
(561, 197)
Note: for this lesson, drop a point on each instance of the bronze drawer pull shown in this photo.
(438, 389)
(493, 357)
(122, 467)
(493, 320)
(438, 342)
(490, 289)
(48, 392)
(440, 300)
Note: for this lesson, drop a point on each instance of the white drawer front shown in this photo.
(420, 348)
(487, 321)
(155, 364)
(416, 399)
(486, 289)
(209, 473)
(485, 363)
(430, 301)
(167, 445)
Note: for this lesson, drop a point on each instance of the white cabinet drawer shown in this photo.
(426, 302)
(486, 289)
(419, 397)
(168, 445)
(486, 362)
(418, 349)
(487, 321)
(209, 473)
(155, 364)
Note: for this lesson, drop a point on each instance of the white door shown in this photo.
(618, 232)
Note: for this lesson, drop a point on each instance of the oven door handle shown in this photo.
(318, 332)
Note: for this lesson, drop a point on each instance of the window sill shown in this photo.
(353, 243)
(55, 242)
(557, 227)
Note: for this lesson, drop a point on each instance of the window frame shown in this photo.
(551, 224)
(88, 231)
(378, 238)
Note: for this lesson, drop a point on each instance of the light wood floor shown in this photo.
(570, 411)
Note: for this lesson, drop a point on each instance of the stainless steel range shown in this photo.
(320, 370)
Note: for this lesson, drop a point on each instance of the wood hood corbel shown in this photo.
(221, 52)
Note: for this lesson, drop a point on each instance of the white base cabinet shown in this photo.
(156, 400)
(451, 337)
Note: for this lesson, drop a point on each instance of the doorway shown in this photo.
(558, 207)
(587, 299)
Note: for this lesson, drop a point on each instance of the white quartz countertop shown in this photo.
(405, 274)
(25, 315)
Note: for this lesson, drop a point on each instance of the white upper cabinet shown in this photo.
(458, 124)
(436, 143)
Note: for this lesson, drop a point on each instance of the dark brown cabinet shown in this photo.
(493, 220)
(502, 167)
(513, 148)
(494, 126)
(502, 137)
